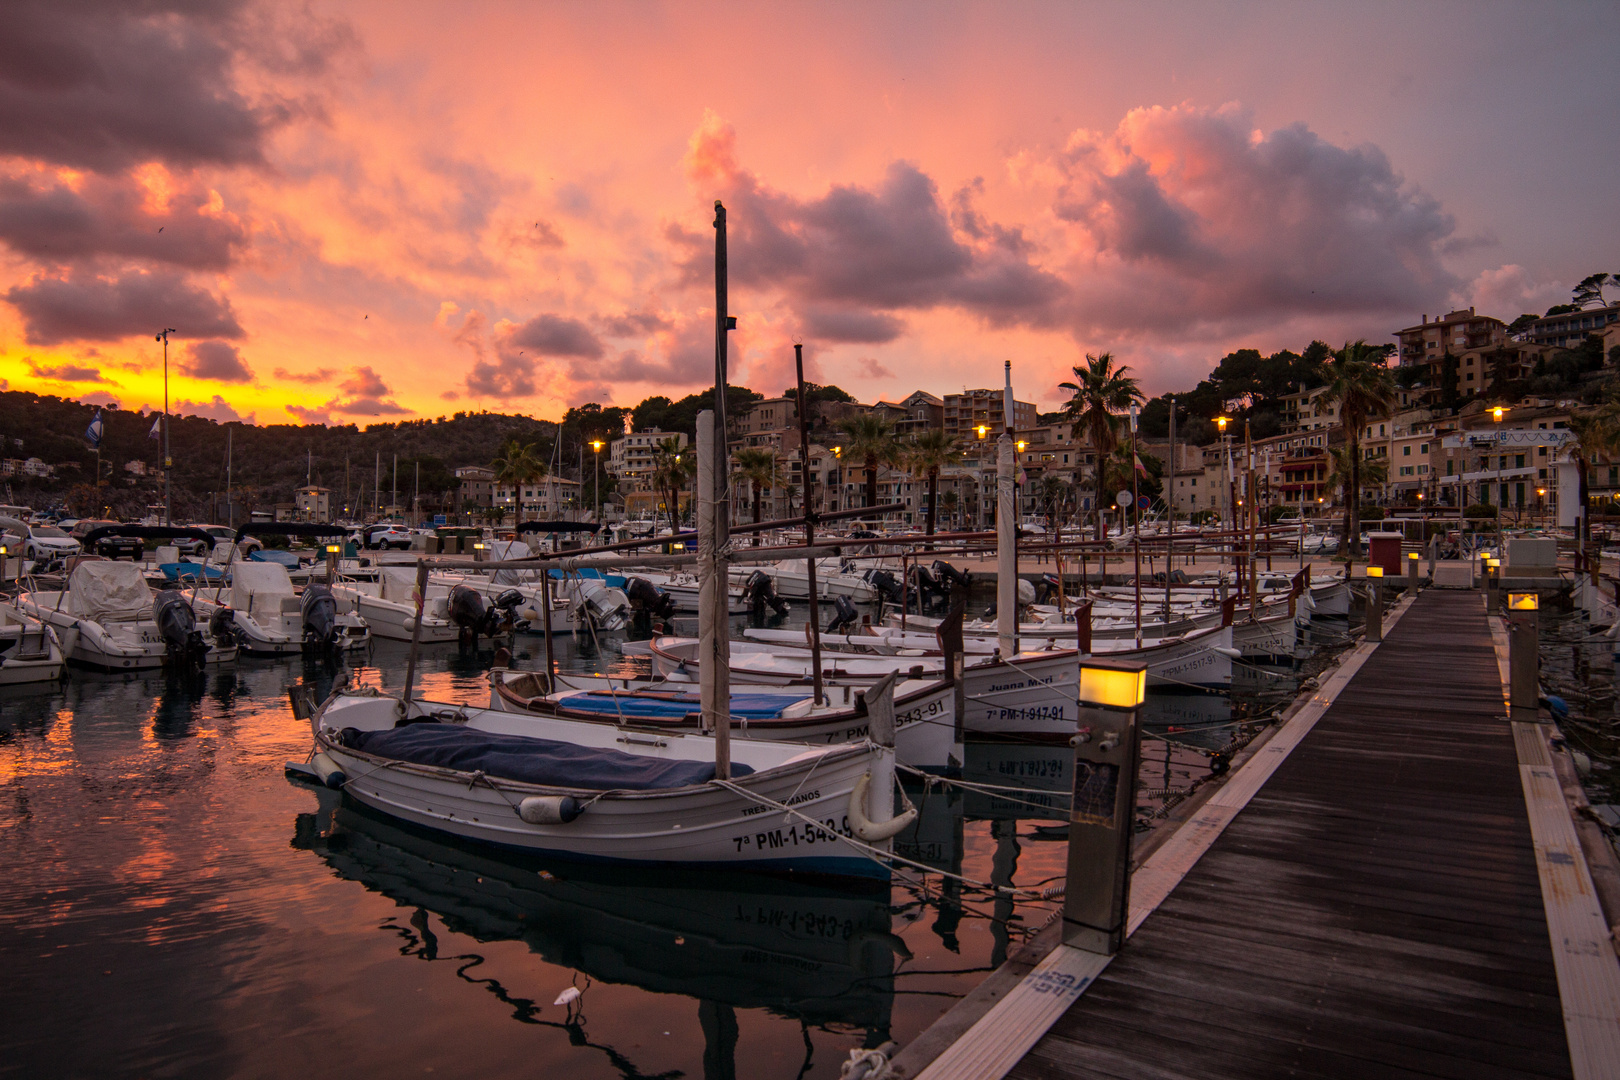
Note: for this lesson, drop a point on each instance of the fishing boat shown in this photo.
(924, 711)
(270, 618)
(606, 793)
(108, 617)
(29, 649)
(388, 605)
(791, 579)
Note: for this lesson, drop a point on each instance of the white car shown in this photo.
(42, 543)
(388, 536)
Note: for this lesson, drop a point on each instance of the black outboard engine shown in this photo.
(1049, 588)
(467, 611)
(320, 617)
(927, 585)
(847, 617)
(761, 590)
(177, 625)
(503, 612)
(886, 585)
(222, 626)
(648, 599)
(950, 577)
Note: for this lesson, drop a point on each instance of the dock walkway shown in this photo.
(1375, 910)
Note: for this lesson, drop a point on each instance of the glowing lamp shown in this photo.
(1412, 555)
(1494, 564)
(1497, 413)
(332, 549)
(1221, 422)
(1021, 445)
(1375, 571)
(1523, 601)
(596, 444)
(1111, 687)
(982, 430)
(479, 547)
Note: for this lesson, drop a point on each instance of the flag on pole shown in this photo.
(157, 427)
(1140, 468)
(92, 434)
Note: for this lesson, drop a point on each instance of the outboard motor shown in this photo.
(1049, 588)
(950, 577)
(761, 590)
(927, 585)
(177, 625)
(319, 610)
(503, 612)
(886, 585)
(846, 618)
(467, 611)
(222, 626)
(648, 599)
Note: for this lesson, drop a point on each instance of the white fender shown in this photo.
(331, 774)
(864, 827)
(549, 809)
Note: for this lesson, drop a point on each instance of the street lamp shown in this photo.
(596, 477)
(168, 461)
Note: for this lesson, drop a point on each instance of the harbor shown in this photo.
(747, 542)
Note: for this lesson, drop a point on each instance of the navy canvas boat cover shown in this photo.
(532, 761)
(676, 706)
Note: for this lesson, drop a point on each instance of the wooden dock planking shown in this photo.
(1374, 910)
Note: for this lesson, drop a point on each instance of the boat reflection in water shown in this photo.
(817, 953)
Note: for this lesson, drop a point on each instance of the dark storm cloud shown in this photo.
(84, 307)
(104, 86)
(555, 335)
(888, 247)
(821, 322)
(1196, 208)
(319, 375)
(54, 223)
(66, 372)
(216, 360)
(635, 323)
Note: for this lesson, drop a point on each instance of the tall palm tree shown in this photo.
(1101, 392)
(1595, 433)
(870, 437)
(927, 453)
(672, 468)
(1343, 474)
(1364, 389)
(948, 503)
(517, 464)
(761, 469)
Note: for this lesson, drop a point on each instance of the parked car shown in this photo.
(42, 543)
(248, 545)
(111, 547)
(385, 536)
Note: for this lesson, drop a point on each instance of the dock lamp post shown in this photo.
(1493, 584)
(596, 476)
(1412, 574)
(1375, 603)
(1102, 819)
(1524, 657)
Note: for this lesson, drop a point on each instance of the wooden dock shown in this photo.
(1378, 906)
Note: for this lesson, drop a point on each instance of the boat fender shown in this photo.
(328, 770)
(549, 809)
(1235, 654)
(864, 827)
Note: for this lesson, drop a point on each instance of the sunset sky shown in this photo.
(363, 211)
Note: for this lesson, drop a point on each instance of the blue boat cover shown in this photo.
(189, 571)
(531, 761)
(676, 706)
(613, 581)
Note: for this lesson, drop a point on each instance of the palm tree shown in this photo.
(948, 502)
(672, 468)
(1101, 392)
(1052, 493)
(1595, 433)
(761, 470)
(1343, 474)
(1364, 389)
(517, 464)
(870, 438)
(927, 453)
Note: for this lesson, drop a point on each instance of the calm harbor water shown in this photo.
(171, 905)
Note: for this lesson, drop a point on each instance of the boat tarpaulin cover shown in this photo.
(676, 706)
(109, 590)
(531, 761)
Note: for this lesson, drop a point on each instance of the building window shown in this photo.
(1406, 451)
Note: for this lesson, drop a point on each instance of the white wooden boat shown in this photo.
(104, 619)
(32, 653)
(268, 615)
(834, 791)
(388, 605)
(924, 711)
(791, 579)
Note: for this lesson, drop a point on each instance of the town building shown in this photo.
(1426, 342)
(1571, 328)
(632, 458)
(965, 414)
(475, 488)
(312, 503)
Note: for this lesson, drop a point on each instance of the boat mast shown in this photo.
(1006, 530)
(713, 495)
(814, 626)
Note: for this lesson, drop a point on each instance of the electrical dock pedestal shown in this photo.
(1391, 884)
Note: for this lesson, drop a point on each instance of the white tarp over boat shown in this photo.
(398, 585)
(109, 590)
(261, 582)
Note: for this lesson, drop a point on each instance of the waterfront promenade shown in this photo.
(1402, 895)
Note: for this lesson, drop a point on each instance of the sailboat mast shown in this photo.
(712, 489)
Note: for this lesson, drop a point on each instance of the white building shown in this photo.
(632, 457)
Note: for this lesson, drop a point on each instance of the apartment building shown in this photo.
(964, 414)
(1463, 329)
(1571, 328)
(632, 457)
